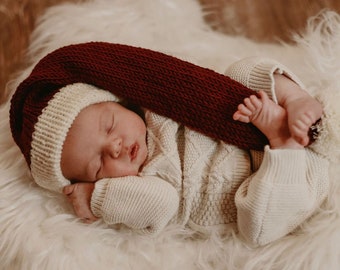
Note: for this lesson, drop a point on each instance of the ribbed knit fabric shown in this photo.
(197, 97)
(139, 196)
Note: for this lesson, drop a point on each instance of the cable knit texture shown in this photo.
(268, 194)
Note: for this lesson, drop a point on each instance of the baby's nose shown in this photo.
(115, 147)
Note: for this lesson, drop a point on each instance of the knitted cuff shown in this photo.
(98, 196)
(284, 164)
(257, 73)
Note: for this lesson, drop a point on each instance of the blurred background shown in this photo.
(260, 20)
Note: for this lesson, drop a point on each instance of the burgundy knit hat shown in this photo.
(67, 80)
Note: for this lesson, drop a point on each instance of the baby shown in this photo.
(118, 146)
(144, 169)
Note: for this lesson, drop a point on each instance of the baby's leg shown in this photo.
(269, 118)
(303, 110)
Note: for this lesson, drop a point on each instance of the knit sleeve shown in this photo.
(287, 188)
(144, 204)
(257, 73)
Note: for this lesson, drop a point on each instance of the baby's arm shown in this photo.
(287, 189)
(145, 204)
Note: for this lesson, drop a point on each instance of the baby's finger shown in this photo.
(263, 95)
(90, 220)
(244, 110)
(256, 105)
(241, 117)
(249, 103)
(67, 190)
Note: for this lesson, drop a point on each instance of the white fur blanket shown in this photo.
(38, 229)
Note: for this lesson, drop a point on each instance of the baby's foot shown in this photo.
(303, 111)
(269, 118)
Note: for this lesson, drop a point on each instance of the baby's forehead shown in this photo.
(95, 110)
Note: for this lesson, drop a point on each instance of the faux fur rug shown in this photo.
(38, 229)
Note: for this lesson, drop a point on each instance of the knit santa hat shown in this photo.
(67, 80)
(56, 113)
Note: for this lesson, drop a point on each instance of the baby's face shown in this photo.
(105, 140)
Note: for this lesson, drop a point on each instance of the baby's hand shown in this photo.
(79, 195)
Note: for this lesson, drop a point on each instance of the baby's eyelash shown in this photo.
(112, 126)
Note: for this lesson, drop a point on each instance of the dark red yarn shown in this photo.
(197, 97)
